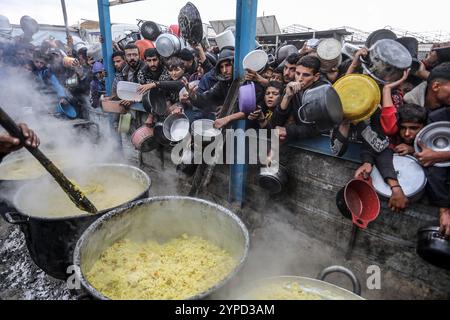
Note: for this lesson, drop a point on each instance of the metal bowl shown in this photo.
(411, 177)
(163, 219)
(435, 136)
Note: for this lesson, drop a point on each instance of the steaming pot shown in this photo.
(51, 241)
(162, 219)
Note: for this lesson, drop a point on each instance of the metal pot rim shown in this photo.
(100, 213)
(298, 279)
(123, 210)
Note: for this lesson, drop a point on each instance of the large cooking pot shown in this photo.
(435, 136)
(168, 45)
(163, 219)
(273, 179)
(387, 61)
(51, 240)
(190, 23)
(433, 247)
(291, 285)
(321, 107)
(360, 96)
(149, 30)
(411, 177)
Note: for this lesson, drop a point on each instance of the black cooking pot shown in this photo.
(51, 241)
(150, 30)
(160, 136)
(272, 180)
(154, 102)
(191, 25)
(321, 107)
(433, 247)
(285, 51)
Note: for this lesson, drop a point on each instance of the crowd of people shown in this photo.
(407, 105)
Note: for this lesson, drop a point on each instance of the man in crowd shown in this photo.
(307, 76)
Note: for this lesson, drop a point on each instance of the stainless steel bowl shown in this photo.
(435, 136)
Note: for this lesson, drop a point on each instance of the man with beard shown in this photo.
(290, 66)
(131, 70)
(118, 58)
(134, 64)
(153, 69)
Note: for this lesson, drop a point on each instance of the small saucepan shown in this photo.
(433, 247)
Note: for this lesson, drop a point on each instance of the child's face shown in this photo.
(272, 97)
(409, 131)
(176, 73)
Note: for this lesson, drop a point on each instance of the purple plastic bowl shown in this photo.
(247, 98)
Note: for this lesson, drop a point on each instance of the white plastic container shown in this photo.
(128, 91)
(225, 39)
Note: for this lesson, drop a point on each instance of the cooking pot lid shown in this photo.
(256, 60)
(329, 49)
(435, 136)
(411, 177)
(379, 35)
(392, 52)
(190, 22)
(166, 45)
(360, 96)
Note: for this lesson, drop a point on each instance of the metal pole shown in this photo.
(107, 47)
(245, 42)
(63, 5)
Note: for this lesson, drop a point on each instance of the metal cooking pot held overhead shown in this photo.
(387, 61)
(168, 45)
(190, 23)
(149, 30)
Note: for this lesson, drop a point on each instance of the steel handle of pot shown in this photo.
(301, 117)
(11, 218)
(338, 269)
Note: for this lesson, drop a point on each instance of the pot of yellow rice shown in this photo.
(164, 248)
(302, 288)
